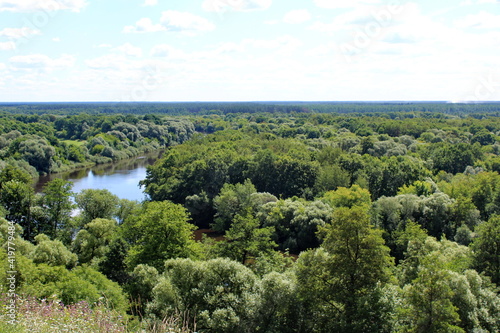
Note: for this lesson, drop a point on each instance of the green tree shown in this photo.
(140, 287)
(96, 204)
(246, 239)
(52, 252)
(125, 209)
(92, 241)
(222, 295)
(279, 306)
(232, 200)
(477, 302)
(37, 151)
(330, 178)
(113, 263)
(161, 232)
(486, 247)
(348, 197)
(58, 205)
(453, 158)
(10, 172)
(346, 273)
(430, 300)
(296, 222)
(17, 198)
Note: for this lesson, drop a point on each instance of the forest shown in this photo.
(260, 217)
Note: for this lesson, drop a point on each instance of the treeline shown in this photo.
(201, 108)
(319, 223)
(42, 144)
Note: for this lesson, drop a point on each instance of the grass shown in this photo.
(51, 316)
(48, 316)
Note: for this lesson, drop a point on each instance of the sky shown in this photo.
(249, 50)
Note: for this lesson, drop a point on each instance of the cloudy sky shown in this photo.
(249, 50)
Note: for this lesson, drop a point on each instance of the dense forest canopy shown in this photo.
(323, 217)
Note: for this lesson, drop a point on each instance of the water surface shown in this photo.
(120, 178)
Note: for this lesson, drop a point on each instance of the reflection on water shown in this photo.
(120, 178)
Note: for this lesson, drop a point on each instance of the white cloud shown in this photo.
(144, 25)
(297, 16)
(56, 39)
(7, 46)
(150, 2)
(41, 62)
(16, 33)
(172, 20)
(130, 50)
(284, 43)
(220, 6)
(45, 5)
(2, 66)
(334, 4)
(370, 18)
(167, 51)
(477, 2)
(108, 61)
(117, 62)
(483, 20)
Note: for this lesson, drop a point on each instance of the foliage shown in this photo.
(219, 293)
(52, 252)
(246, 240)
(96, 204)
(344, 197)
(57, 202)
(91, 243)
(295, 222)
(232, 200)
(161, 231)
(486, 247)
(345, 274)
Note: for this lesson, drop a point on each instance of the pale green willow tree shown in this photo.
(217, 295)
(91, 243)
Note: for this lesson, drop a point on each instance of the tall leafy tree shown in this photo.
(347, 272)
(429, 298)
(246, 239)
(17, 198)
(486, 247)
(96, 204)
(161, 231)
(58, 204)
(232, 199)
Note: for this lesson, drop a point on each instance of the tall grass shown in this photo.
(51, 316)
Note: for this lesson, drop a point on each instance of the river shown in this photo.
(120, 178)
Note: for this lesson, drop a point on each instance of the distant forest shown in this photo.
(187, 108)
